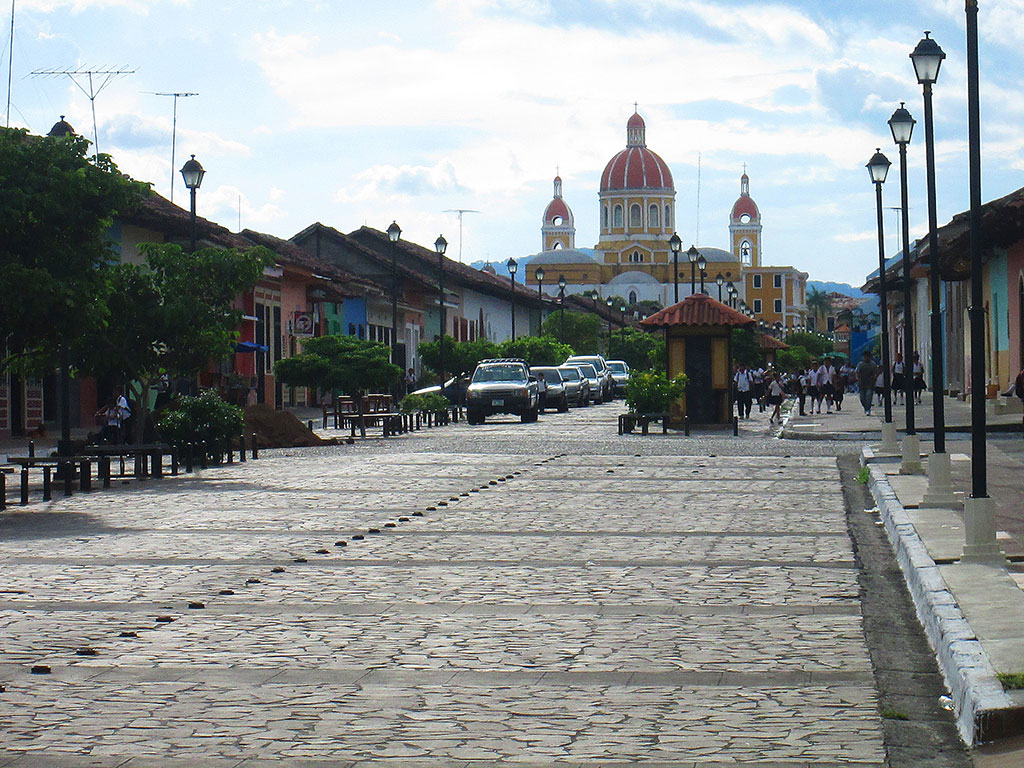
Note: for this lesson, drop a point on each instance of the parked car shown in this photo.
(503, 385)
(593, 378)
(553, 393)
(605, 390)
(577, 388)
(620, 376)
(453, 389)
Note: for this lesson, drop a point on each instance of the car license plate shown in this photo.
(497, 402)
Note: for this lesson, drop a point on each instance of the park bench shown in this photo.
(66, 467)
(149, 459)
(378, 411)
(629, 421)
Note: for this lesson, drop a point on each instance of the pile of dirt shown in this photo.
(279, 429)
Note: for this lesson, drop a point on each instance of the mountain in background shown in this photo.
(500, 269)
(843, 288)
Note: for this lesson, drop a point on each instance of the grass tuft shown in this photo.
(1012, 681)
(894, 714)
(863, 475)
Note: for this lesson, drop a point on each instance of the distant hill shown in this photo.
(843, 288)
(499, 266)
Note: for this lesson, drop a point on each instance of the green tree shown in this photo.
(344, 363)
(170, 317)
(812, 342)
(639, 349)
(746, 350)
(55, 210)
(794, 359)
(582, 331)
(536, 350)
(461, 357)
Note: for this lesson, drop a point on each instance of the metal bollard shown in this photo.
(47, 493)
(241, 447)
(31, 448)
(3, 490)
(231, 453)
(174, 460)
(104, 470)
(158, 464)
(67, 470)
(254, 447)
(203, 461)
(309, 425)
(24, 485)
(188, 457)
(85, 476)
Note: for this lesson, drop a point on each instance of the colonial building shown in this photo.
(632, 258)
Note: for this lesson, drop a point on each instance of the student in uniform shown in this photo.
(776, 395)
(898, 382)
(919, 385)
(744, 383)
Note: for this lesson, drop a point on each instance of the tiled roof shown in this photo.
(770, 342)
(160, 214)
(698, 309)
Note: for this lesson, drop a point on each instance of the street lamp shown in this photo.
(979, 509)
(902, 126)
(720, 282)
(927, 58)
(512, 267)
(702, 264)
(609, 302)
(539, 274)
(394, 232)
(730, 292)
(192, 172)
(561, 305)
(878, 169)
(692, 255)
(441, 245)
(676, 245)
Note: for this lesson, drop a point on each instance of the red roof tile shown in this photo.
(770, 342)
(698, 309)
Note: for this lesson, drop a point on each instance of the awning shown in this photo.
(248, 346)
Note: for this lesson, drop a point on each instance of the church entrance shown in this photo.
(701, 400)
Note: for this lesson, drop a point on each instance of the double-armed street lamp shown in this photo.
(394, 232)
(675, 244)
(927, 59)
(692, 254)
(441, 245)
(512, 267)
(192, 172)
(878, 169)
(902, 126)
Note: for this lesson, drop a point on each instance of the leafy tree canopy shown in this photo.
(639, 349)
(794, 359)
(582, 330)
(55, 210)
(344, 363)
(537, 350)
(812, 342)
(461, 357)
(745, 348)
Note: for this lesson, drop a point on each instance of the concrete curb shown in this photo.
(980, 704)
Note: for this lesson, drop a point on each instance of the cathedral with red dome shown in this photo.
(632, 259)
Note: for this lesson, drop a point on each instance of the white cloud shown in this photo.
(386, 182)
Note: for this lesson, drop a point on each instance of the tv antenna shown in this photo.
(697, 234)
(10, 66)
(174, 125)
(104, 75)
(459, 212)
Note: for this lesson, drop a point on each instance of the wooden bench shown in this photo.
(629, 421)
(149, 459)
(66, 465)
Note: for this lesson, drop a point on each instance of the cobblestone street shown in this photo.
(532, 593)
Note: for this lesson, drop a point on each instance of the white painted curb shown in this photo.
(965, 665)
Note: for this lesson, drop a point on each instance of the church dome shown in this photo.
(634, 278)
(61, 128)
(636, 167)
(745, 205)
(557, 214)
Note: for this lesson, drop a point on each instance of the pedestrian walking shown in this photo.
(776, 395)
(919, 385)
(800, 390)
(839, 381)
(880, 385)
(1018, 386)
(757, 387)
(867, 375)
(744, 383)
(826, 385)
(898, 382)
(813, 391)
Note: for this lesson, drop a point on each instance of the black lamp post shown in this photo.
(394, 232)
(902, 126)
(878, 168)
(441, 245)
(979, 510)
(692, 255)
(927, 58)
(702, 265)
(622, 316)
(539, 274)
(609, 302)
(675, 244)
(720, 281)
(512, 266)
(731, 292)
(192, 172)
(561, 307)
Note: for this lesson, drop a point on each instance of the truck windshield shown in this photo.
(500, 373)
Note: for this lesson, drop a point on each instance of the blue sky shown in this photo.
(356, 113)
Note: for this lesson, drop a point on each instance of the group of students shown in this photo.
(766, 387)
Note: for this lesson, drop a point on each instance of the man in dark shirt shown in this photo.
(867, 372)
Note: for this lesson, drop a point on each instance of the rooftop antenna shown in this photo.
(697, 236)
(459, 212)
(107, 76)
(174, 127)
(899, 222)
(10, 66)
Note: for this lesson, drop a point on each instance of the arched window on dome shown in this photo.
(604, 217)
(745, 253)
(668, 216)
(653, 219)
(617, 216)
(556, 245)
(635, 216)
(632, 297)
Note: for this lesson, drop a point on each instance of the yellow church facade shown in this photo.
(633, 259)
